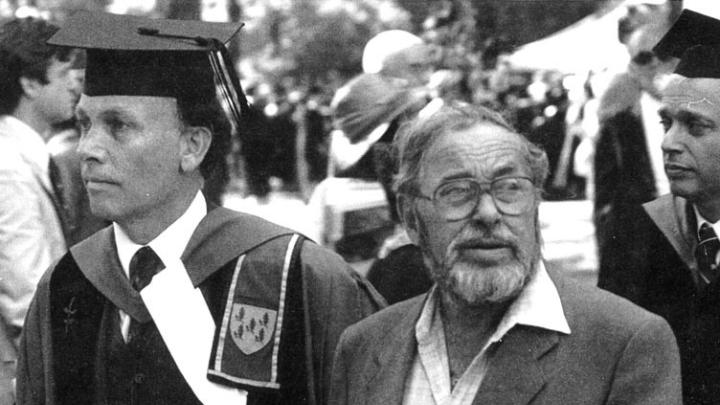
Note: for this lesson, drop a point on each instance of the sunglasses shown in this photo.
(646, 57)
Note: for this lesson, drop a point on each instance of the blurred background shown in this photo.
(542, 62)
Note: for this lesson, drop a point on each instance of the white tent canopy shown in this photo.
(590, 44)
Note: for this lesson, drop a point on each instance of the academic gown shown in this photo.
(660, 274)
(325, 297)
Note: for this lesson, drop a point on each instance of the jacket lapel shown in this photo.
(519, 368)
(672, 216)
(393, 360)
(97, 259)
(221, 236)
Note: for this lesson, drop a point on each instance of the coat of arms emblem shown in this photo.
(251, 327)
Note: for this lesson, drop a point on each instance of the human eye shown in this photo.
(510, 188)
(117, 125)
(455, 192)
(83, 123)
(697, 127)
(83, 126)
(666, 123)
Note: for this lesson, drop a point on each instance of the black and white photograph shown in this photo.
(360, 202)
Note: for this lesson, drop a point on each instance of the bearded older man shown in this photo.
(497, 327)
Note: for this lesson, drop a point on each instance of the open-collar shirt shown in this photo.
(168, 245)
(538, 305)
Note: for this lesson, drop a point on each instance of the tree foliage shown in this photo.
(314, 41)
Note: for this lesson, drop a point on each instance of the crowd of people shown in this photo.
(124, 280)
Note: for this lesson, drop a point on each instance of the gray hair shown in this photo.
(415, 138)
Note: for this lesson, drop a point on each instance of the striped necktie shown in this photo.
(706, 253)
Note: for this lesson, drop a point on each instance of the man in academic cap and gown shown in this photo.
(671, 267)
(179, 301)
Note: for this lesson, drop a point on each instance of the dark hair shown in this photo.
(203, 110)
(416, 137)
(24, 53)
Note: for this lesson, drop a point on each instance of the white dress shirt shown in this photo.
(169, 245)
(178, 308)
(429, 383)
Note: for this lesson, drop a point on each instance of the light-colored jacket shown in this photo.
(31, 235)
(616, 353)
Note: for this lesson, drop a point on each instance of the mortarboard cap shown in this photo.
(138, 56)
(690, 29)
(700, 61)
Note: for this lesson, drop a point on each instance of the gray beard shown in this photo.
(474, 285)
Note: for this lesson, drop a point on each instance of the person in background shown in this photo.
(370, 104)
(366, 112)
(407, 64)
(401, 55)
(36, 91)
(497, 327)
(627, 163)
(673, 269)
(179, 301)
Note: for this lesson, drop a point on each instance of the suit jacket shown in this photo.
(31, 235)
(661, 276)
(623, 172)
(616, 353)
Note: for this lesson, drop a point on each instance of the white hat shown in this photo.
(385, 44)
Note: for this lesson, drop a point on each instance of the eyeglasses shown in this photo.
(646, 57)
(457, 199)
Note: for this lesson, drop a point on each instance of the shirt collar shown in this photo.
(170, 243)
(30, 144)
(537, 305)
(701, 220)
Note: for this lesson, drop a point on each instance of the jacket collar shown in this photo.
(517, 372)
(222, 236)
(520, 368)
(675, 218)
(396, 351)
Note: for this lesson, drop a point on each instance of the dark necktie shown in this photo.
(706, 253)
(58, 196)
(55, 178)
(144, 265)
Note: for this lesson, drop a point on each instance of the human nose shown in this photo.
(672, 141)
(486, 210)
(75, 81)
(90, 147)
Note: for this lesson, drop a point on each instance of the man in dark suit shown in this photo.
(673, 271)
(628, 167)
(496, 328)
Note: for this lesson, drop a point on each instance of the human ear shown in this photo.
(408, 216)
(30, 87)
(195, 143)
